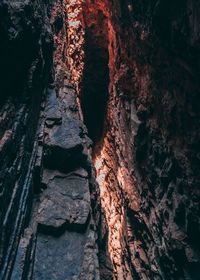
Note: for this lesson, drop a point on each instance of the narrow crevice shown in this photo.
(94, 95)
(95, 83)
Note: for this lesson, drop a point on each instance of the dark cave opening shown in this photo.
(94, 91)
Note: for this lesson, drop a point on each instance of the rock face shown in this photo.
(47, 227)
(23, 25)
(147, 160)
(65, 201)
(127, 205)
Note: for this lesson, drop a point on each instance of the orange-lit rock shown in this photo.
(134, 124)
(127, 205)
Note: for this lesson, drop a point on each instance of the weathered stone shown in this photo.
(90, 265)
(48, 175)
(64, 146)
(65, 202)
(133, 69)
(52, 110)
(24, 260)
(59, 257)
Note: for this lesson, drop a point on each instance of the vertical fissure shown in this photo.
(94, 98)
(95, 82)
(96, 91)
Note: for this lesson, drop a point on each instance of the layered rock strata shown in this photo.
(24, 75)
(48, 229)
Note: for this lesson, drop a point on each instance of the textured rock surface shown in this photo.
(48, 167)
(23, 75)
(130, 70)
(65, 201)
(147, 162)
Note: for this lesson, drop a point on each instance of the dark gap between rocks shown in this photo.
(94, 91)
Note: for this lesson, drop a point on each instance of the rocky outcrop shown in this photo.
(61, 237)
(47, 227)
(23, 74)
(146, 161)
(129, 70)
(63, 217)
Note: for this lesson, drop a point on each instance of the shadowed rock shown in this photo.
(64, 146)
(59, 258)
(65, 202)
(53, 114)
(24, 259)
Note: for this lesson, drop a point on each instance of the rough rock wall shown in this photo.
(147, 162)
(134, 68)
(48, 187)
(25, 55)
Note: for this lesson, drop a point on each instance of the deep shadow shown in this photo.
(94, 95)
(94, 98)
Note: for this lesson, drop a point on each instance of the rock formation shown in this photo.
(99, 140)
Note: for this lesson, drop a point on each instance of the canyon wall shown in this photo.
(126, 204)
(48, 186)
(25, 55)
(147, 160)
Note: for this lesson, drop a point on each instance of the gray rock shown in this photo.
(24, 261)
(53, 114)
(65, 203)
(59, 258)
(64, 146)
